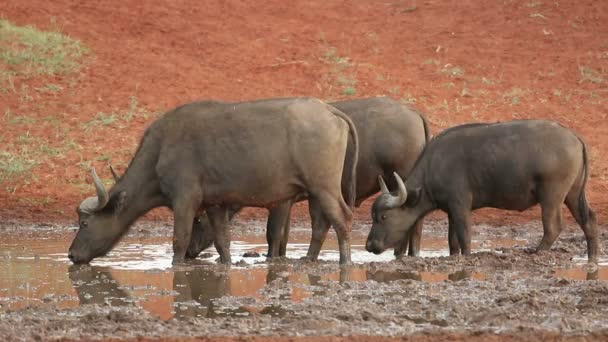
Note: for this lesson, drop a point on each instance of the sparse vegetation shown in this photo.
(12, 164)
(50, 88)
(408, 99)
(452, 71)
(409, 9)
(589, 74)
(100, 119)
(349, 91)
(332, 56)
(432, 61)
(28, 51)
(534, 4)
(487, 81)
(514, 96)
(18, 119)
(41, 201)
(340, 76)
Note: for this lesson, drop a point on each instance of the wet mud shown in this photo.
(134, 292)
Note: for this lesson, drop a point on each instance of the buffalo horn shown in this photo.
(102, 194)
(390, 201)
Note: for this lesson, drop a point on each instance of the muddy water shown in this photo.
(138, 272)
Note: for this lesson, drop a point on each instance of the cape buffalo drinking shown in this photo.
(391, 137)
(209, 155)
(510, 165)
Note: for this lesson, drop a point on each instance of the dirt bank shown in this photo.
(457, 61)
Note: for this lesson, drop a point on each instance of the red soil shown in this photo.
(460, 61)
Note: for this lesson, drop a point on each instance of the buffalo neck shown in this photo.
(417, 180)
(141, 189)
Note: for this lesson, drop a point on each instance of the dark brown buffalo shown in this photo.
(208, 156)
(512, 165)
(391, 137)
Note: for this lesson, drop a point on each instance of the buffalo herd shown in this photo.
(207, 160)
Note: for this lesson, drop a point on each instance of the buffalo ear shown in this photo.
(413, 197)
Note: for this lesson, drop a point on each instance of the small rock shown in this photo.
(251, 255)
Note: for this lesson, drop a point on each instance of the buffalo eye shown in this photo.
(383, 217)
(83, 224)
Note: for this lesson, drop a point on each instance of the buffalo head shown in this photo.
(99, 227)
(393, 215)
(202, 236)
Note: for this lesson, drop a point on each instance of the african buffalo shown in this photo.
(391, 136)
(211, 155)
(511, 165)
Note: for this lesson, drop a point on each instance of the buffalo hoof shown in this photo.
(308, 258)
(345, 263)
(178, 261)
(224, 261)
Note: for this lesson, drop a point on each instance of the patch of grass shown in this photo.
(394, 91)
(332, 56)
(17, 119)
(37, 201)
(24, 94)
(50, 150)
(104, 157)
(101, 119)
(514, 96)
(538, 15)
(28, 51)
(589, 74)
(432, 61)
(24, 139)
(132, 111)
(349, 91)
(340, 77)
(408, 99)
(50, 88)
(487, 81)
(465, 92)
(409, 9)
(452, 71)
(7, 82)
(12, 165)
(348, 83)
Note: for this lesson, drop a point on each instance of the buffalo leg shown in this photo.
(184, 212)
(320, 227)
(552, 225)
(275, 228)
(459, 225)
(453, 241)
(340, 216)
(577, 204)
(218, 218)
(283, 246)
(415, 235)
(402, 246)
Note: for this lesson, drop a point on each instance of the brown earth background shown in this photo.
(457, 61)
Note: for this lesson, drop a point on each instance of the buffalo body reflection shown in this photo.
(95, 285)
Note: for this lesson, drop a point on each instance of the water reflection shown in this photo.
(386, 276)
(95, 285)
(196, 290)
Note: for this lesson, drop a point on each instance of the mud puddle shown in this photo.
(137, 276)
(139, 272)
